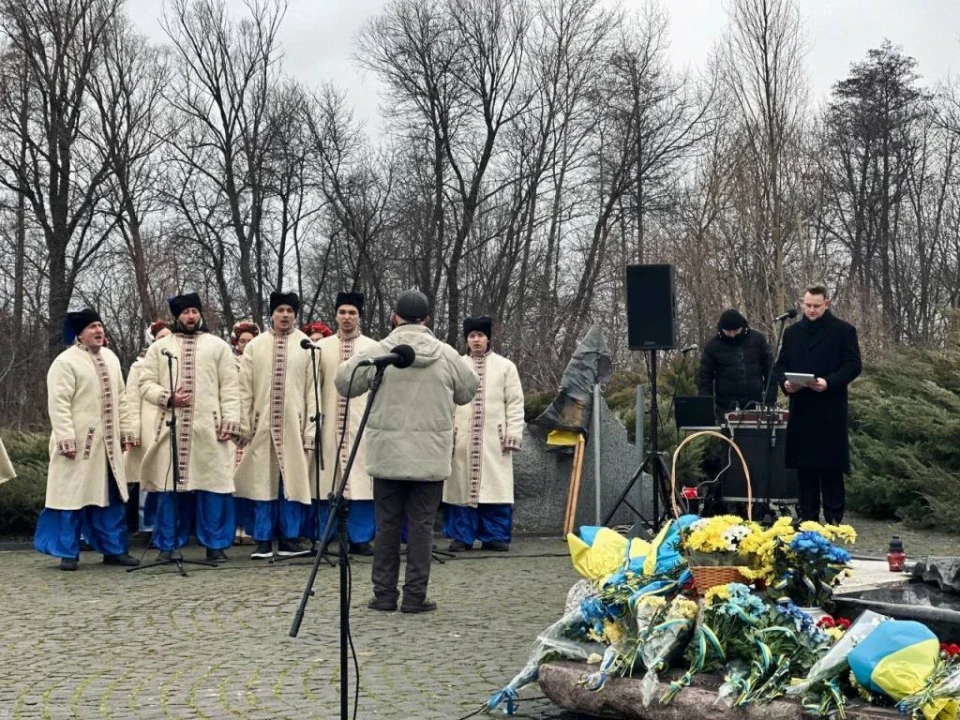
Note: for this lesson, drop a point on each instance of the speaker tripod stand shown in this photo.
(656, 466)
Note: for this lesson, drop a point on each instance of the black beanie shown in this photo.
(731, 320)
(412, 306)
(279, 298)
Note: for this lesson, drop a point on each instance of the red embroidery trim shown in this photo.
(477, 417)
(188, 382)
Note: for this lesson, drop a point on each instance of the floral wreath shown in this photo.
(316, 327)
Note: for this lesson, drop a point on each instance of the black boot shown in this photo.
(68, 563)
(264, 550)
(291, 546)
(217, 556)
(125, 560)
(364, 549)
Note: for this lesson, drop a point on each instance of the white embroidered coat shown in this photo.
(276, 407)
(205, 369)
(88, 414)
(485, 434)
(334, 352)
(147, 420)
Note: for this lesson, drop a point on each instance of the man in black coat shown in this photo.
(735, 365)
(826, 347)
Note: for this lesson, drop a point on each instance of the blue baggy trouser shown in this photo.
(210, 515)
(488, 522)
(58, 531)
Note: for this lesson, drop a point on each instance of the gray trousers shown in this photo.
(416, 502)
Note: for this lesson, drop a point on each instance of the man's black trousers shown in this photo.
(415, 501)
(815, 484)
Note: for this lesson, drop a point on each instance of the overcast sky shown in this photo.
(318, 38)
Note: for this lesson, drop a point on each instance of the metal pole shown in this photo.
(639, 410)
(596, 453)
(640, 413)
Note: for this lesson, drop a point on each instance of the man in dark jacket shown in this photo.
(735, 365)
(826, 347)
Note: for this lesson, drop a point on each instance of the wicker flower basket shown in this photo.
(708, 576)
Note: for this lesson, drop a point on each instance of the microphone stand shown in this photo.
(176, 557)
(771, 413)
(318, 465)
(338, 513)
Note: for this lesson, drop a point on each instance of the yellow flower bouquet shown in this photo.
(714, 548)
(719, 541)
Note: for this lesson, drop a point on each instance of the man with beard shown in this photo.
(338, 430)
(206, 397)
(90, 429)
(479, 493)
(277, 411)
(410, 444)
(818, 447)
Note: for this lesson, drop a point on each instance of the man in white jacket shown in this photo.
(479, 493)
(90, 429)
(409, 445)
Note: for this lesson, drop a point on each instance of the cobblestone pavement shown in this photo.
(102, 643)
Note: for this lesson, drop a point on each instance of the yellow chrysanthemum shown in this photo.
(834, 633)
(612, 631)
(845, 533)
(683, 608)
(718, 593)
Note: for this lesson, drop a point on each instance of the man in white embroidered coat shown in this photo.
(276, 417)
(147, 421)
(479, 493)
(206, 398)
(90, 428)
(334, 351)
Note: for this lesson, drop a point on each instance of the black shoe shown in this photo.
(365, 549)
(384, 605)
(85, 546)
(495, 546)
(71, 564)
(457, 546)
(165, 556)
(264, 550)
(418, 607)
(293, 546)
(217, 556)
(125, 560)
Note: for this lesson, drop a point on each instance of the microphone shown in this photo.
(688, 348)
(308, 344)
(789, 314)
(168, 354)
(402, 356)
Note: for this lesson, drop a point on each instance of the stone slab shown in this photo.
(621, 699)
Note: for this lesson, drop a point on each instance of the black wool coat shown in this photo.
(817, 430)
(734, 370)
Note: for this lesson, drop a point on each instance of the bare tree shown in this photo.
(225, 70)
(61, 44)
(128, 92)
(763, 69)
